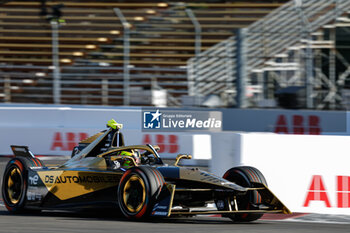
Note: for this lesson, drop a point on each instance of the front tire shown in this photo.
(138, 190)
(244, 176)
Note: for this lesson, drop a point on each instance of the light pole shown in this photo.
(126, 62)
(54, 19)
(55, 62)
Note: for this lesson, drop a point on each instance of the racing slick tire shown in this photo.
(138, 190)
(243, 176)
(14, 183)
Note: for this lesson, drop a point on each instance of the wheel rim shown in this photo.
(134, 194)
(14, 185)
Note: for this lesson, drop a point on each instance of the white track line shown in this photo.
(315, 221)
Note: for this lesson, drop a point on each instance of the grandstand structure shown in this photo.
(297, 53)
(112, 52)
(256, 53)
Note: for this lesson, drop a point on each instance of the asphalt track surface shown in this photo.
(58, 221)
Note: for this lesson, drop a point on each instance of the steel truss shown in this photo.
(289, 47)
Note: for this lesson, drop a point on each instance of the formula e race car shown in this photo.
(104, 173)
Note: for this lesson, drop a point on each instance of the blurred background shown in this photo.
(213, 53)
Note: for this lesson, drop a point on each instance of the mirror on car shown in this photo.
(182, 156)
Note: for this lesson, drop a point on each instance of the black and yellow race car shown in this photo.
(104, 173)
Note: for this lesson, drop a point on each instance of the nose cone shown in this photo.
(197, 175)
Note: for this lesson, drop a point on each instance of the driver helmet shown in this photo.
(128, 163)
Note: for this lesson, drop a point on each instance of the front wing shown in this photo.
(164, 207)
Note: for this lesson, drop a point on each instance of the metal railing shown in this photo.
(213, 69)
(274, 34)
(89, 84)
(287, 25)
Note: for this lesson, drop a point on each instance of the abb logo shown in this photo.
(300, 125)
(167, 143)
(318, 192)
(67, 141)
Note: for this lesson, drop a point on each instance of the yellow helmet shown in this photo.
(128, 162)
(127, 153)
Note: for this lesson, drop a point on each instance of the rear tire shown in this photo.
(138, 190)
(14, 183)
(244, 176)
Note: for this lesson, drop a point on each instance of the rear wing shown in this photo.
(22, 151)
